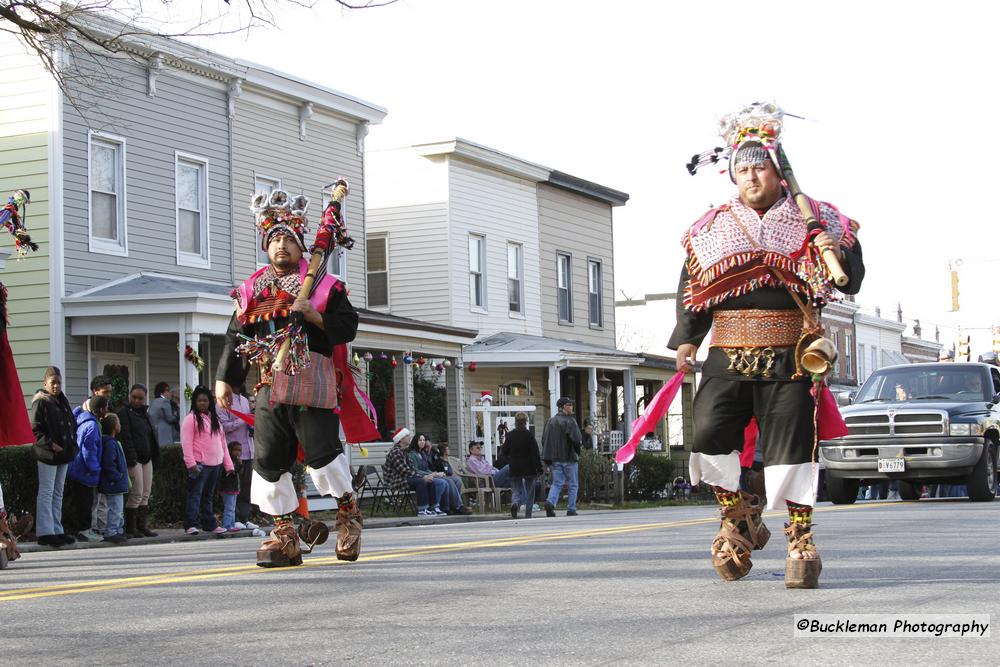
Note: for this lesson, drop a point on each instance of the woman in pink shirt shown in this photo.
(205, 455)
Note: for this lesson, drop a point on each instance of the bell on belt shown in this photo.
(819, 356)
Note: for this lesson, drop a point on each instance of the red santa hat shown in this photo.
(400, 434)
(486, 396)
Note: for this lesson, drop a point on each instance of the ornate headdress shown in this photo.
(276, 213)
(12, 217)
(751, 135)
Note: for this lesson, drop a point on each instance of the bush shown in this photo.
(19, 477)
(648, 476)
(596, 481)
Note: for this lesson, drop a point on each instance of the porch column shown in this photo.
(402, 381)
(592, 390)
(628, 379)
(455, 388)
(554, 389)
(188, 374)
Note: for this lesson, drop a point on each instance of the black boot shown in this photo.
(130, 519)
(140, 522)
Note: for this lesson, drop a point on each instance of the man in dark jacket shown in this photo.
(520, 449)
(561, 442)
(138, 440)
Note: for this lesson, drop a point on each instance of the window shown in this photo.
(477, 271)
(377, 249)
(268, 185)
(515, 278)
(862, 375)
(191, 184)
(594, 291)
(564, 287)
(849, 353)
(836, 346)
(106, 175)
(874, 366)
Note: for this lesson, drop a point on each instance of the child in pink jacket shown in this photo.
(205, 456)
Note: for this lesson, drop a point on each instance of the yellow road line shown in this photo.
(388, 554)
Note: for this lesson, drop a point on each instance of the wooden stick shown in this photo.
(829, 256)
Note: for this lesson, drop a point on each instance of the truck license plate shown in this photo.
(891, 465)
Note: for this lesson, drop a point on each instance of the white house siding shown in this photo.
(504, 209)
(187, 114)
(890, 340)
(580, 226)
(418, 259)
(868, 337)
(25, 122)
(266, 142)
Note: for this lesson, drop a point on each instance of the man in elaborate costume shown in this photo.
(755, 276)
(299, 397)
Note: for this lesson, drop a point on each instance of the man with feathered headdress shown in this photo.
(299, 403)
(754, 277)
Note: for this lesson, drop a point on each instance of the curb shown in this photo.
(174, 535)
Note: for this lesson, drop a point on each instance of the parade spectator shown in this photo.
(478, 465)
(114, 478)
(561, 451)
(229, 488)
(428, 461)
(161, 415)
(588, 435)
(142, 451)
(176, 407)
(402, 476)
(239, 431)
(100, 385)
(54, 428)
(205, 455)
(84, 471)
(521, 451)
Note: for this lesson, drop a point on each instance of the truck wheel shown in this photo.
(982, 482)
(909, 490)
(841, 491)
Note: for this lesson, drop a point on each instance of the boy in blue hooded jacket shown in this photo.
(84, 470)
(114, 482)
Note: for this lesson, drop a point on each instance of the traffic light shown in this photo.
(996, 339)
(954, 290)
(963, 348)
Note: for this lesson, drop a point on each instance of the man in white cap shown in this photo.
(403, 477)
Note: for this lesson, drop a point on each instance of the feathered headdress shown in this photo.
(759, 124)
(12, 217)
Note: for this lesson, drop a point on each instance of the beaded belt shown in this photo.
(756, 328)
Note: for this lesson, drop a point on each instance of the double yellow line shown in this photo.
(389, 554)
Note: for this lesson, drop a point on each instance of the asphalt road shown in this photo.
(604, 587)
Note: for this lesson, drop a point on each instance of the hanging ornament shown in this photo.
(517, 391)
(382, 356)
(393, 363)
(368, 356)
(408, 359)
(472, 367)
(446, 363)
(356, 359)
(439, 368)
(421, 361)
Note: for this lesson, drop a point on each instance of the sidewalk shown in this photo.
(170, 535)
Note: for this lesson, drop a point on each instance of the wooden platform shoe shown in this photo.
(312, 533)
(742, 531)
(349, 524)
(10, 531)
(802, 572)
(281, 549)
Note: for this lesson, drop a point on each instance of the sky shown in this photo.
(899, 99)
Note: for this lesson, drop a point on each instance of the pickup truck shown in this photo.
(919, 424)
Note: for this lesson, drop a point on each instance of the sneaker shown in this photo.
(513, 511)
(115, 539)
(536, 508)
(241, 526)
(439, 512)
(192, 531)
(251, 526)
(570, 512)
(80, 537)
(67, 539)
(50, 541)
(218, 530)
(463, 510)
(425, 512)
(92, 536)
(550, 509)
(233, 529)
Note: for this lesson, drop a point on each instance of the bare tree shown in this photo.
(96, 29)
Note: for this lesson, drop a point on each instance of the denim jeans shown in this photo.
(523, 492)
(428, 493)
(201, 493)
(115, 521)
(229, 510)
(454, 491)
(100, 522)
(49, 502)
(502, 477)
(564, 472)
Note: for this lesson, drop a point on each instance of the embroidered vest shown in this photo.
(273, 306)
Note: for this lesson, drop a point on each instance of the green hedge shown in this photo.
(19, 477)
(648, 476)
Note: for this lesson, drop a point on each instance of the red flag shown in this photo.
(648, 421)
(244, 416)
(15, 427)
(358, 426)
(829, 422)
